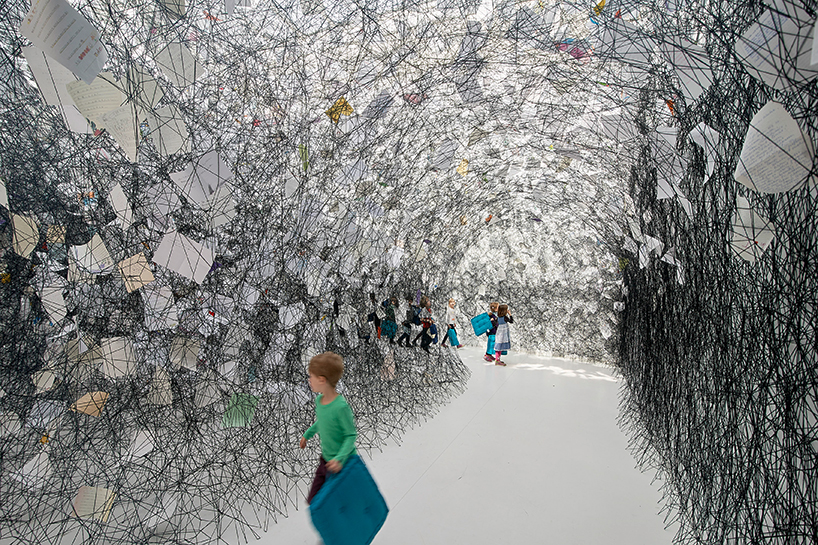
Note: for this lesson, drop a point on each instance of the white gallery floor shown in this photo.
(529, 454)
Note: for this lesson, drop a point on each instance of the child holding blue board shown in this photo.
(345, 504)
(490, 343)
(334, 422)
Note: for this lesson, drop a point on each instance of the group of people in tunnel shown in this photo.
(384, 318)
(382, 322)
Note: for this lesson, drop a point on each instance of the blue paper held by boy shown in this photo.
(349, 509)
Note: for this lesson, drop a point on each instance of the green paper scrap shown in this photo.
(305, 159)
(239, 411)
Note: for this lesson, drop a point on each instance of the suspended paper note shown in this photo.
(118, 356)
(240, 411)
(53, 302)
(179, 65)
(160, 308)
(228, 368)
(43, 380)
(477, 135)
(752, 233)
(122, 125)
(63, 34)
(290, 185)
(777, 50)
(692, 66)
(121, 206)
(776, 156)
(10, 423)
(26, 235)
(43, 413)
(141, 444)
(36, 472)
(141, 88)
(184, 256)
(207, 391)
(160, 201)
(289, 316)
(96, 99)
(89, 259)
(168, 131)
(663, 188)
(91, 403)
(420, 251)
(176, 7)
(52, 78)
(184, 352)
(221, 207)
(93, 503)
(231, 5)
(814, 55)
(707, 139)
(4, 198)
(55, 234)
(653, 245)
(618, 127)
(136, 272)
(341, 107)
(200, 180)
(463, 167)
(468, 87)
(160, 392)
(445, 155)
(686, 206)
(394, 257)
(626, 43)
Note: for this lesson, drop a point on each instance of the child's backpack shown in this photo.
(433, 333)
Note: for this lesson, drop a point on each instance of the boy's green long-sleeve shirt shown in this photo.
(335, 426)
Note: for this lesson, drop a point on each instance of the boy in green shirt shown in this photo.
(334, 422)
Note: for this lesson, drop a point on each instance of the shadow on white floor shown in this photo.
(529, 454)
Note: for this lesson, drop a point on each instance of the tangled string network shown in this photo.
(198, 196)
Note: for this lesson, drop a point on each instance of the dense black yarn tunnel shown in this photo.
(205, 193)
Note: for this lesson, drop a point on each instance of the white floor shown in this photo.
(530, 454)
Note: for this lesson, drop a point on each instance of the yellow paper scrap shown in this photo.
(463, 168)
(341, 107)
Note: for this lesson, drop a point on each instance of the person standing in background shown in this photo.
(502, 339)
(490, 343)
(451, 333)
